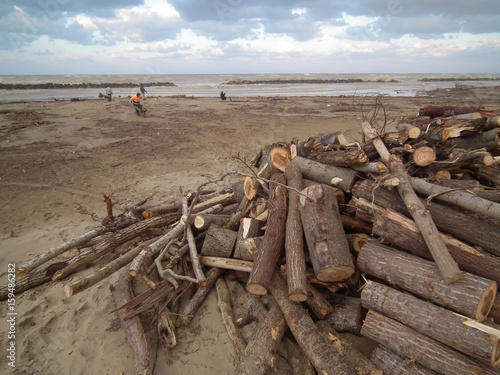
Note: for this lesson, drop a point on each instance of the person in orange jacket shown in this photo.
(136, 102)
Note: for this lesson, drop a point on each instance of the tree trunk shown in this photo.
(489, 139)
(340, 158)
(203, 222)
(280, 157)
(317, 303)
(294, 238)
(347, 314)
(471, 295)
(462, 199)
(259, 354)
(324, 358)
(274, 239)
(219, 242)
(417, 347)
(247, 244)
(133, 327)
(445, 110)
(353, 356)
(460, 332)
(340, 177)
(325, 236)
(402, 232)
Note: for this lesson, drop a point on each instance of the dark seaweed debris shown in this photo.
(298, 81)
(84, 85)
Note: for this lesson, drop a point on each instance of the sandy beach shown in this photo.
(57, 158)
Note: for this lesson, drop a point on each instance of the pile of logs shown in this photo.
(396, 240)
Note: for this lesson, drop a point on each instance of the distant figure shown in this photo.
(136, 103)
(223, 95)
(109, 93)
(143, 91)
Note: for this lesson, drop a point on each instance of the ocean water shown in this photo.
(210, 85)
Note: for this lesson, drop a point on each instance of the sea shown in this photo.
(247, 85)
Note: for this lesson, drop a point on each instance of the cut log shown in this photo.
(460, 198)
(353, 356)
(273, 241)
(227, 263)
(471, 295)
(447, 266)
(347, 314)
(294, 238)
(249, 239)
(280, 157)
(224, 302)
(251, 187)
(402, 232)
(317, 303)
(393, 364)
(424, 156)
(419, 348)
(219, 242)
(340, 177)
(445, 110)
(324, 358)
(449, 220)
(203, 221)
(133, 327)
(374, 167)
(341, 158)
(412, 132)
(460, 332)
(490, 140)
(325, 236)
(259, 354)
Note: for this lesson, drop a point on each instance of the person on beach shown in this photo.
(109, 93)
(143, 91)
(136, 103)
(223, 95)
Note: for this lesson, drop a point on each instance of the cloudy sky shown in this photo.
(249, 36)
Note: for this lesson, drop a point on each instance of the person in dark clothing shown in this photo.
(223, 95)
(143, 91)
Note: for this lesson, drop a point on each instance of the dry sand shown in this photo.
(57, 158)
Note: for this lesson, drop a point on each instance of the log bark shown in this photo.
(393, 364)
(460, 198)
(273, 241)
(193, 251)
(203, 222)
(402, 232)
(324, 358)
(259, 354)
(224, 302)
(133, 327)
(471, 295)
(447, 266)
(457, 331)
(340, 177)
(417, 347)
(412, 132)
(353, 356)
(340, 158)
(347, 314)
(219, 242)
(294, 238)
(449, 220)
(490, 140)
(227, 263)
(317, 303)
(445, 110)
(325, 236)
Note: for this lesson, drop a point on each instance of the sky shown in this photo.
(249, 36)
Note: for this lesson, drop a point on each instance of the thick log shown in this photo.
(353, 356)
(280, 157)
(341, 158)
(187, 313)
(325, 236)
(449, 220)
(460, 198)
(393, 364)
(347, 314)
(492, 174)
(460, 332)
(403, 233)
(417, 347)
(424, 156)
(324, 358)
(317, 303)
(490, 140)
(203, 221)
(447, 266)
(246, 242)
(227, 263)
(354, 225)
(471, 295)
(412, 132)
(133, 327)
(445, 110)
(224, 302)
(294, 238)
(340, 177)
(374, 167)
(259, 354)
(273, 241)
(219, 242)
(120, 237)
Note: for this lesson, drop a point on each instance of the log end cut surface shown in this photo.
(335, 273)
(486, 302)
(257, 289)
